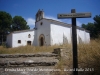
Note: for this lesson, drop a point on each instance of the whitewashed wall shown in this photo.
(23, 36)
(58, 32)
(9, 40)
(43, 29)
(35, 38)
(87, 37)
(80, 35)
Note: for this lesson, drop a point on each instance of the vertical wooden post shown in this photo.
(2, 38)
(74, 15)
(74, 44)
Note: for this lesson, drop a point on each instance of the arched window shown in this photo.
(29, 36)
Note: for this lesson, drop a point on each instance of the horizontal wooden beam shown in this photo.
(74, 15)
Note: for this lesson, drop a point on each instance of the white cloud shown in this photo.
(51, 17)
(30, 21)
(79, 23)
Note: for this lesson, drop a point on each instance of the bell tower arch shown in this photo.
(39, 15)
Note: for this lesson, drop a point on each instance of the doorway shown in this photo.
(28, 42)
(41, 40)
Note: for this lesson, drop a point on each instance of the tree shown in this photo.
(97, 23)
(5, 24)
(19, 24)
(94, 28)
(84, 26)
(91, 27)
(5, 21)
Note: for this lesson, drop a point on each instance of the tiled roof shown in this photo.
(65, 24)
(58, 22)
(23, 31)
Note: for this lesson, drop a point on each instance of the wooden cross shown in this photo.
(74, 15)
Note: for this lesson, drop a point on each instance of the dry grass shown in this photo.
(29, 49)
(88, 59)
(26, 49)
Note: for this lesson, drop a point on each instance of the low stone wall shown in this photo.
(65, 60)
(63, 52)
(19, 60)
(26, 55)
(25, 64)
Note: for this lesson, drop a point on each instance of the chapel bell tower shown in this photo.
(39, 15)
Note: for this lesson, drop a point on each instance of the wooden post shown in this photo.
(74, 15)
(74, 44)
(2, 38)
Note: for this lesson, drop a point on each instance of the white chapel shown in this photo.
(47, 32)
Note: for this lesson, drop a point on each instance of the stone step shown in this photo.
(30, 59)
(28, 55)
(25, 64)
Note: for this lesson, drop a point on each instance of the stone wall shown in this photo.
(63, 52)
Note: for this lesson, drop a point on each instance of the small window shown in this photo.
(41, 23)
(19, 41)
(29, 36)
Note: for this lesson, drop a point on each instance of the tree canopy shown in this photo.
(9, 24)
(19, 23)
(94, 27)
(5, 22)
(97, 23)
(5, 25)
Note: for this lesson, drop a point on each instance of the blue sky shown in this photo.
(28, 8)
